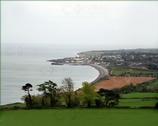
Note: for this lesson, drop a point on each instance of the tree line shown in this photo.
(65, 96)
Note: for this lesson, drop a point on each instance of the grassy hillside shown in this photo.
(78, 117)
(124, 71)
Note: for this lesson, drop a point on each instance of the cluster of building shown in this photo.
(124, 58)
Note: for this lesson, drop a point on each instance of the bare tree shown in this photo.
(68, 90)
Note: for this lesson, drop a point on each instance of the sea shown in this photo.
(23, 63)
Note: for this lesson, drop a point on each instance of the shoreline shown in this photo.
(103, 73)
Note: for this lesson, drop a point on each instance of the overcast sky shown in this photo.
(112, 25)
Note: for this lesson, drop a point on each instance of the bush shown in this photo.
(111, 98)
(156, 106)
(99, 103)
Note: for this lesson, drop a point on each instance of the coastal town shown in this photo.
(103, 60)
(144, 58)
(137, 58)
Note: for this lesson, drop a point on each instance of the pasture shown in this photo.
(138, 100)
(127, 71)
(78, 117)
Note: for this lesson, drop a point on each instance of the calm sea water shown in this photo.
(22, 65)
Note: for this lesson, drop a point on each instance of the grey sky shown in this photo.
(111, 25)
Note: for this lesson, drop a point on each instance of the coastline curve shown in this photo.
(103, 73)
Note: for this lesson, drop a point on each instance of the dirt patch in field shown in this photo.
(118, 82)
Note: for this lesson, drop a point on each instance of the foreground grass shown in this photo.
(78, 117)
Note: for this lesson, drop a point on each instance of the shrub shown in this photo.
(156, 106)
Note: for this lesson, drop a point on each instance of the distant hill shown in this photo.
(113, 52)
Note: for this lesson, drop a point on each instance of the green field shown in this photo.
(80, 117)
(136, 99)
(140, 95)
(122, 71)
(153, 85)
(136, 103)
